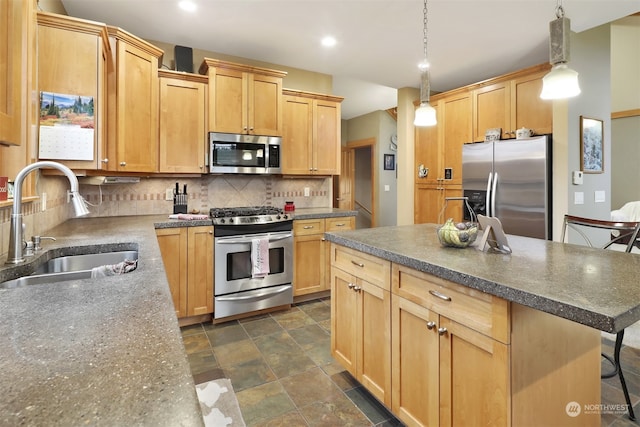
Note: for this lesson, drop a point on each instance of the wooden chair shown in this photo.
(623, 233)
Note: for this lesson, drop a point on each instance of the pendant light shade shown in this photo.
(561, 82)
(425, 114)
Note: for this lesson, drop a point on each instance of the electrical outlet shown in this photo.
(168, 194)
(306, 192)
(43, 201)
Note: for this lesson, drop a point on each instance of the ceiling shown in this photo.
(379, 42)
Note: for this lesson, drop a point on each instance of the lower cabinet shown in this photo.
(429, 201)
(437, 353)
(187, 254)
(360, 319)
(310, 252)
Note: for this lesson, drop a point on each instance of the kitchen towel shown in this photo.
(125, 266)
(259, 257)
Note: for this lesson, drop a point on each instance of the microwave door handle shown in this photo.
(254, 296)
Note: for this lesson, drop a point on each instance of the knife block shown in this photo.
(179, 203)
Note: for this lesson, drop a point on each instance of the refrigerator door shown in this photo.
(521, 186)
(477, 169)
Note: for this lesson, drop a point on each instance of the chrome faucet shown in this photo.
(16, 237)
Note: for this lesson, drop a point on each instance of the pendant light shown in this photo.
(561, 82)
(425, 114)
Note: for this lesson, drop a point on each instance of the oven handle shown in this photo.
(254, 296)
(229, 241)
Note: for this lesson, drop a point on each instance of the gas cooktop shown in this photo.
(248, 215)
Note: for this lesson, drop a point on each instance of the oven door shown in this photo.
(233, 262)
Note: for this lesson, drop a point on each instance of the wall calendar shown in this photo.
(66, 127)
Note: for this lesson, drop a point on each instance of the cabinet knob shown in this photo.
(351, 285)
(357, 288)
(105, 160)
(442, 331)
(123, 163)
(431, 324)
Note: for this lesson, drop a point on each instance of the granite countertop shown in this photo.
(594, 287)
(312, 213)
(96, 351)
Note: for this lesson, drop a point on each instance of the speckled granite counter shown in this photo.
(594, 287)
(311, 213)
(96, 352)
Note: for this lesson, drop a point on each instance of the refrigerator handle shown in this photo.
(493, 194)
(487, 202)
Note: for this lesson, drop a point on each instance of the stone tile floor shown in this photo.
(283, 374)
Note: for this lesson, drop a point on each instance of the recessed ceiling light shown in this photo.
(187, 5)
(329, 41)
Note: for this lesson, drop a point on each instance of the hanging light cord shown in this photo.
(424, 37)
(425, 86)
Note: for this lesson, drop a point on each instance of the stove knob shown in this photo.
(222, 221)
(231, 220)
(285, 216)
(278, 216)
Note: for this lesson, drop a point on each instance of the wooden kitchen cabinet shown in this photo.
(491, 109)
(311, 133)
(243, 99)
(132, 118)
(187, 254)
(311, 253)
(183, 133)
(17, 55)
(527, 109)
(360, 319)
(72, 60)
(430, 200)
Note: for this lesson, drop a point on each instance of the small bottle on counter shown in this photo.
(289, 207)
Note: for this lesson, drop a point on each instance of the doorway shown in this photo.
(354, 186)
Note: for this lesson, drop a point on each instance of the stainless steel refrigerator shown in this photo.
(511, 179)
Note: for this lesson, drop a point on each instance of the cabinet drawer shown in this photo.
(304, 227)
(340, 223)
(479, 311)
(368, 267)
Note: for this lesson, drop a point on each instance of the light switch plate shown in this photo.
(169, 194)
(578, 198)
(599, 196)
(306, 192)
(387, 188)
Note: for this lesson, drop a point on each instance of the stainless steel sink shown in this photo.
(72, 267)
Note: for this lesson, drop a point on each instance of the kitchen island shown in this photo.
(477, 337)
(104, 351)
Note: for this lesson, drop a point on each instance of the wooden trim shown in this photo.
(312, 95)
(369, 142)
(625, 113)
(179, 75)
(216, 63)
(127, 37)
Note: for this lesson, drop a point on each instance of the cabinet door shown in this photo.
(227, 101)
(326, 136)
(344, 305)
(456, 118)
(427, 200)
(491, 109)
(173, 247)
(427, 152)
(527, 109)
(14, 24)
(200, 271)
(309, 267)
(265, 105)
(415, 355)
(374, 333)
(474, 378)
(297, 135)
(182, 126)
(137, 110)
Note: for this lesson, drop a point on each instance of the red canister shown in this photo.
(289, 207)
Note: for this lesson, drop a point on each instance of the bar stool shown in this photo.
(625, 233)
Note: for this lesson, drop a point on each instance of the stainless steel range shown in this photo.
(253, 259)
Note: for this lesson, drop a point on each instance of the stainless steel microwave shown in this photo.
(250, 154)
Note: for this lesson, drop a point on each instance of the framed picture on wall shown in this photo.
(389, 162)
(591, 145)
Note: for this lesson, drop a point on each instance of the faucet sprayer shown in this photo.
(16, 244)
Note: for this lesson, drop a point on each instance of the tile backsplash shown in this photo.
(148, 198)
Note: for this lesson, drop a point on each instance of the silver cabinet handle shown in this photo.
(123, 163)
(351, 285)
(442, 331)
(431, 325)
(342, 224)
(308, 227)
(439, 295)
(359, 264)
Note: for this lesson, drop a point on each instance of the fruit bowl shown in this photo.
(457, 235)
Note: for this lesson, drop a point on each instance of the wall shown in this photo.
(625, 97)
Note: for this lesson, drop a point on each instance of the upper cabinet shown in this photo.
(72, 60)
(132, 104)
(182, 122)
(511, 102)
(16, 56)
(243, 99)
(311, 137)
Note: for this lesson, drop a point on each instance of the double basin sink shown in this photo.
(70, 267)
